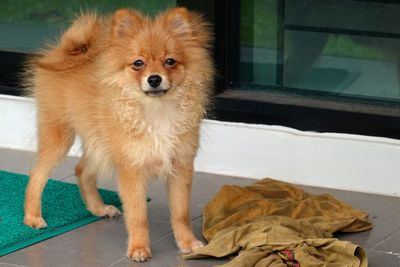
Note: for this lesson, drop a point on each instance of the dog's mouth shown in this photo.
(156, 92)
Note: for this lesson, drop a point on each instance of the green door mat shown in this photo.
(62, 208)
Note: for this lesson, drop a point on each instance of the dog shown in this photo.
(135, 90)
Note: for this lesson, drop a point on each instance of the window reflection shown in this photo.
(329, 47)
(27, 25)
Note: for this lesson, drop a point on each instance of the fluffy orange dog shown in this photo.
(135, 90)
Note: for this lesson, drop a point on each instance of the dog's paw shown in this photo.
(35, 221)
(139, 253)
(190, 246)
(106, 211)
(111, 211)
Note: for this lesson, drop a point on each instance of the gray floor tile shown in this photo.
(3, 264)
(16, 161)
(165, 254)
(98, 244)
(65, 169)
(383, 259)
(391, 244)
(22, 161)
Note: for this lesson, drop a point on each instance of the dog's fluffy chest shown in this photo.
(154, 135)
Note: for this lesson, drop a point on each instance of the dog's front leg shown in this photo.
(179, 190)
(132, 190)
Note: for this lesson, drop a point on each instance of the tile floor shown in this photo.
(103, 243)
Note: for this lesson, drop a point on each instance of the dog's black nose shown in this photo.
(154, 80)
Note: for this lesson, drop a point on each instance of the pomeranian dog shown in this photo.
(135, 90)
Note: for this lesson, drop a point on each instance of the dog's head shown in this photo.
(152, 57)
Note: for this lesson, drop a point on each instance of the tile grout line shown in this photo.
(163, 236)
(66, 177)
(386, 238)
(12, 264)
(196, 218)
(387, 253)
(112, 264)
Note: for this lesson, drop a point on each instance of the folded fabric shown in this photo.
(272, 223)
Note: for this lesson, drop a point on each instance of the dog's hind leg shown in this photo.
(90, 194)
(55, 139)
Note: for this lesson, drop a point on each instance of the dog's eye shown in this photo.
(170, 62)
(138, 64)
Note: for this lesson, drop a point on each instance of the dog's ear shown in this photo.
(178, 20)
(189, 26)
(125, 23)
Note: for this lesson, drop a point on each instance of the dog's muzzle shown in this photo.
(154, 88)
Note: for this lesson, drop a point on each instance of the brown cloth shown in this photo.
(272, 223)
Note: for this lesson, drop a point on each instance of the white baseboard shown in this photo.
(342, 161)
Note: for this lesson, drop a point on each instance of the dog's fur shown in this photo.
(87, 85)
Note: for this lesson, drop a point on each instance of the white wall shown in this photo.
(343, 161)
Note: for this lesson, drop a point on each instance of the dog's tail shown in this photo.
(76, 46)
